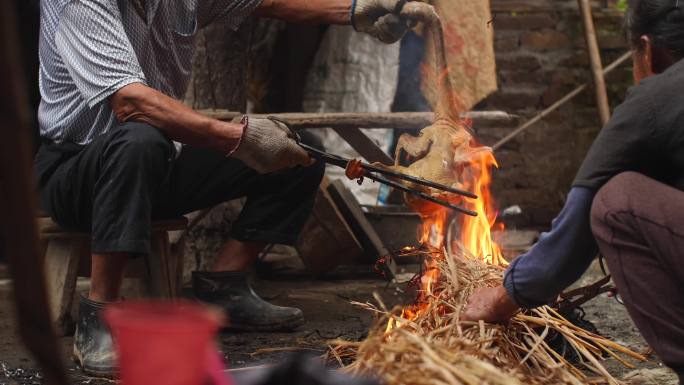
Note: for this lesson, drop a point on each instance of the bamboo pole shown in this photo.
(557, 104)
(595, 60)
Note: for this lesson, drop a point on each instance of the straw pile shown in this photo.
(427, 344)
(434, 347)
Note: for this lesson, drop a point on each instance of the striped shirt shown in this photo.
(89, 49)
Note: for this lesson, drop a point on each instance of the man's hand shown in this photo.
(490, 304)
(379, 18)
(267, 146)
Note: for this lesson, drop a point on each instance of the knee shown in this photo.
(305, 180)
(311, 139)
(313, 175)
(615, 197)
(139, 144)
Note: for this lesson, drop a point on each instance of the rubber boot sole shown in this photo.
(111, 374)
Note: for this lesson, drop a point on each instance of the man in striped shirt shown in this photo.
(120, 149)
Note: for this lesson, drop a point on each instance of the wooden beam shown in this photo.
(363, 231)
(364, 145)
(347, 124)
(595, 60)
(347, 120)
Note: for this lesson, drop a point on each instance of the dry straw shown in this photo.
(435, 347)
(428, 344)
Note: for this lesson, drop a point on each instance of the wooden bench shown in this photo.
(67, 256)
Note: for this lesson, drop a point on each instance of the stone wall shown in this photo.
(541, 56)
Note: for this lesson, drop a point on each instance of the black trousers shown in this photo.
(116, 185)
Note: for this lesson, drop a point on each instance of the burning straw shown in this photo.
(426, 343)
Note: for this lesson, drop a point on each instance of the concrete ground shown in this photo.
(329, 315)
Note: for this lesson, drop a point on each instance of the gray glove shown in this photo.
(267, 146)
(380, 19)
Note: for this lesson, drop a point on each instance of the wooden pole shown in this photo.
(557, 104)
(344, 120)
(595, 60)
(18, 228)
(348, 124)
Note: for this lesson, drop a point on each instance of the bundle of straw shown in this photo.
(432, 346)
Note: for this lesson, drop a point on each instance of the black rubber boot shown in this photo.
(93, 348)
(245, 309)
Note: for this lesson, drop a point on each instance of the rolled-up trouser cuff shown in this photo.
(256, 235)
(120, 246)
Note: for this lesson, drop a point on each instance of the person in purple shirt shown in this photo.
(626, 201)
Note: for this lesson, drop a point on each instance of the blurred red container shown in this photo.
(165, 343)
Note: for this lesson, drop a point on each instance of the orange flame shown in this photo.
(473, 170)
(475, 232)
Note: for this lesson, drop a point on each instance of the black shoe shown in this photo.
(93, 348)
(246, 310)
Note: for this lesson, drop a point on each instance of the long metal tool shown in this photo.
(370, 171)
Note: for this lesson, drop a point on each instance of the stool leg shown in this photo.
(61, 266)
(159, 271)
(177, 260)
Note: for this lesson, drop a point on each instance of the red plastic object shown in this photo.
(165, 343)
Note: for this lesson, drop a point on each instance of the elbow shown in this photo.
(128, 103)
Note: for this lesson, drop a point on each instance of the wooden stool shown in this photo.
(161, 273)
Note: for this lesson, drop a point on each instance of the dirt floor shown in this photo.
(329, 315)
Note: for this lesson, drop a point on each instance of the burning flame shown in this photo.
(474, 234)
(472, 165)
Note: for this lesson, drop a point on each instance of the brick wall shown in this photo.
(540, 54)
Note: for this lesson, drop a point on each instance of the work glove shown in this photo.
(379, 18)
(268, 146)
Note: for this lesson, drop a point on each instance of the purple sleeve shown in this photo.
(560, 256)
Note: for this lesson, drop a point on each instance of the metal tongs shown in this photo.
(572, 299)
(370, 172)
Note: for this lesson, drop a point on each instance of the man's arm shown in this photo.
(139, 103)
(378, 18)
(262, 144)
(104, 67)
(307, 11)
(559, 258)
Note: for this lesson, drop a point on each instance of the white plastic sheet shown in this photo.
(352, 72)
